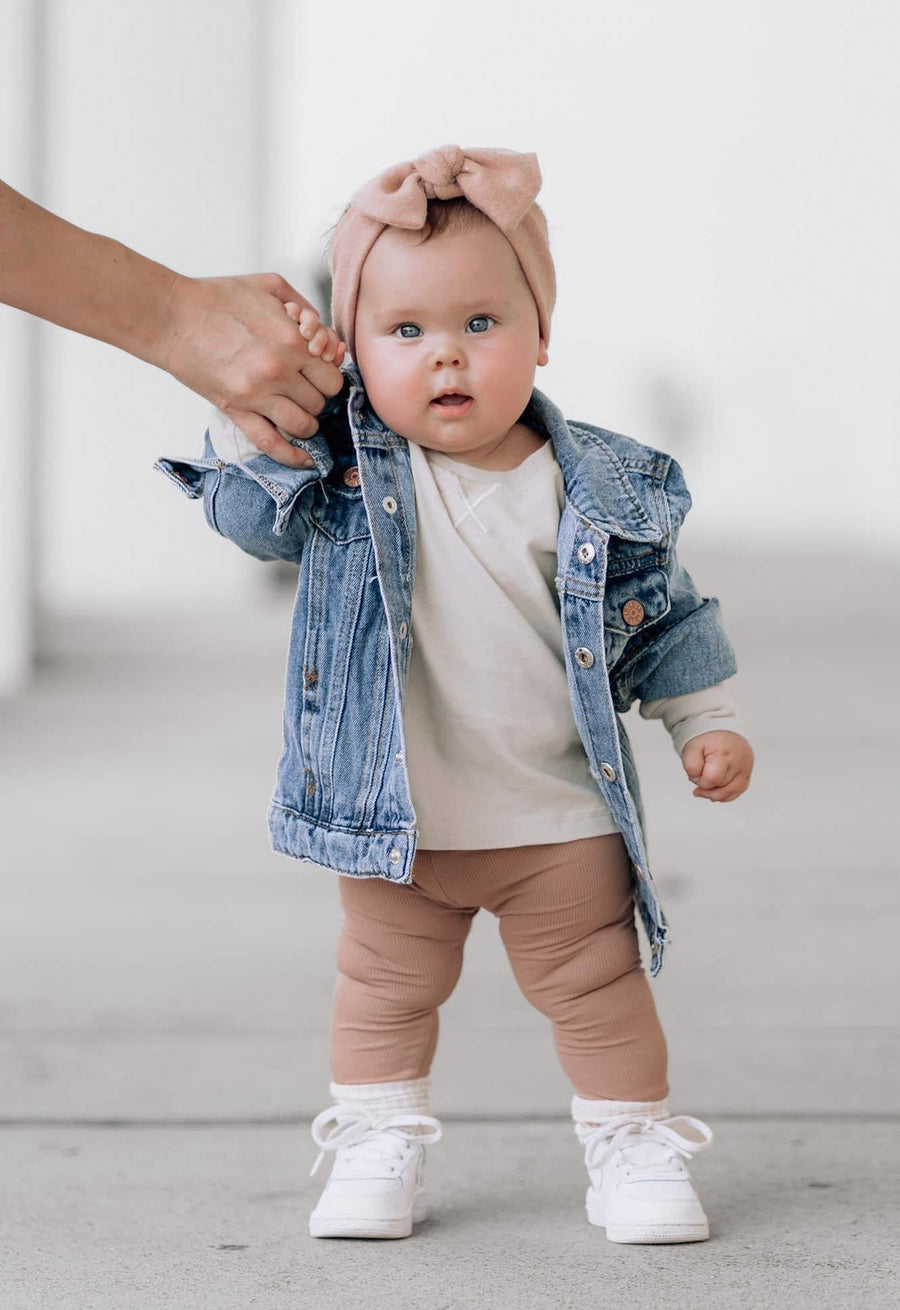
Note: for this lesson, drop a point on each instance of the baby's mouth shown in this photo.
(455, 398)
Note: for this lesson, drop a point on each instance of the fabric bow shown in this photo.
(501, 183)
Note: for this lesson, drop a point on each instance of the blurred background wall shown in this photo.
(722, 205)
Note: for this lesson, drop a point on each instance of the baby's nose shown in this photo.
(448, 353)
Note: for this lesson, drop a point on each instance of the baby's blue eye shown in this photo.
(480, 323)
(411, 334)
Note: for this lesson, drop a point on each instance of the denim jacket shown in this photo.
(634, 624)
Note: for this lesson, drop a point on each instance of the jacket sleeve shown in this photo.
(259, 504)
(686, 649)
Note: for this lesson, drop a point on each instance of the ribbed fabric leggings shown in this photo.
(566, 912)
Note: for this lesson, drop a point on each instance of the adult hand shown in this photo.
(227, 338)
(231, 341)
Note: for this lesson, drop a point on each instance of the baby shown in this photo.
(484, 589)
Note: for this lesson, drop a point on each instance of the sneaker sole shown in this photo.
(335, 1226)
(646, 1234)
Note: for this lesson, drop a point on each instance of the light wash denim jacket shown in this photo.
(342, 795)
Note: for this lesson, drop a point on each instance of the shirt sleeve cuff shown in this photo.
(228, 441)
(713, 709)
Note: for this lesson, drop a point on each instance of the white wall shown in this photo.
(723, 204)
(154, 119)
(722, 190)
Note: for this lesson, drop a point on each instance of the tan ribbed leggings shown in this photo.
(566, 914)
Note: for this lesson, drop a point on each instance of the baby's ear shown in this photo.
(543, 357)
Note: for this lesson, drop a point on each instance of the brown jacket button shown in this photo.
(633, 613)
(351, 476)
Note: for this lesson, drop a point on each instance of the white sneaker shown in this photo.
(377, 1183)
(640, 1189)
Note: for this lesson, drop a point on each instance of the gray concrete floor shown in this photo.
(165, 982)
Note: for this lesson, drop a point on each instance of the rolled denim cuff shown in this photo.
(251, 502)
(283, 484)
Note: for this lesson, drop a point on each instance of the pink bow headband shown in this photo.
(501, 183)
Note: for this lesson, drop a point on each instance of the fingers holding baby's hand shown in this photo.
(719, 764)
(321, 341)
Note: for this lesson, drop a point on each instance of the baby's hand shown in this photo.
(320, 340)
(720, 763)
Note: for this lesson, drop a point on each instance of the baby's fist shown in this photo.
(719, 763)
(321, 340)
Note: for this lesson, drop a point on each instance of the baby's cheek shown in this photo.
(397, 392)
(393, 397)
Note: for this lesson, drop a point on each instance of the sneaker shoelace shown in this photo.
(373, 1135)
(647, 1145)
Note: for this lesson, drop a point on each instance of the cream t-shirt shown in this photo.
(493, 753)
(494, 756)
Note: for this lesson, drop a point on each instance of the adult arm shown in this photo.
(227, 338)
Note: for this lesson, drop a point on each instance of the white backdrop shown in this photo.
(723, 206)
(723, 196)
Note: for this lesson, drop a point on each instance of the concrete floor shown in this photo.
(802, 1215)
(165, 982)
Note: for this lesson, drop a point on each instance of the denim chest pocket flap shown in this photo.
(632, 601)
(632, 604)
(339, 511)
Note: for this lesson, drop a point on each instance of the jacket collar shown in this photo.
(595, 479)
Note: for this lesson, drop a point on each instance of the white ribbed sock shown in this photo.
(412, 1094)
(585, 1111)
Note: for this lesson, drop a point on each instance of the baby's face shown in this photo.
(452, 314)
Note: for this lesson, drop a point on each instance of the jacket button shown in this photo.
(404, 629)
(351, 477)
(394, 855)
(389, 504)
(584, 657)
(586, 552)
(608, 771)
(633, 613)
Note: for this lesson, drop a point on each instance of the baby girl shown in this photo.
(484, 589)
